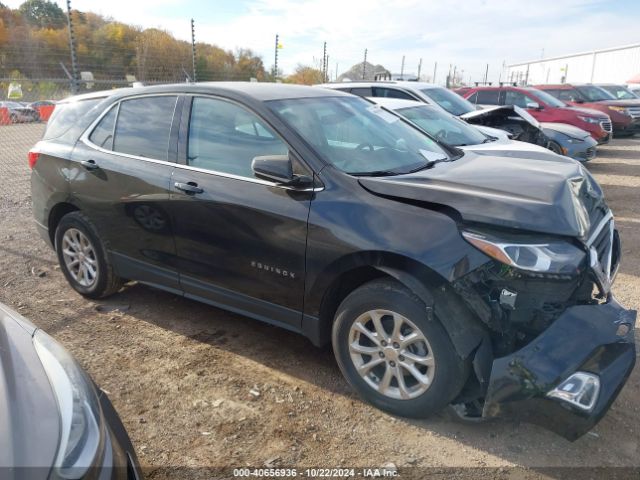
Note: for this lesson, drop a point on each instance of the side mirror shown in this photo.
(577, 100)
(279, 169)
(534, 105)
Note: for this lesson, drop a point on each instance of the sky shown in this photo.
(467, 34)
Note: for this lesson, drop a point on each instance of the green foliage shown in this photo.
(43, 14)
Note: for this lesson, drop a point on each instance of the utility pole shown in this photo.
(419, 69)
(75, 77)
(486, 74)
(435, 68)
(336, 71)
(324, 62)
(275, 63)
(402, 69)
(326, 70)
(193, 50)
(364, 64)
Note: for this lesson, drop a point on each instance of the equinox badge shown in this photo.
(270, 268)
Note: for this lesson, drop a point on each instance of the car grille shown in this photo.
(606, 126)
(604, 251)
(634, 112)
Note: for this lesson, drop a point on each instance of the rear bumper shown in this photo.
(598, 339)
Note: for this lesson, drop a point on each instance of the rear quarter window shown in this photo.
(66, 115)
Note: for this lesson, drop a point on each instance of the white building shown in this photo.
(609, 65)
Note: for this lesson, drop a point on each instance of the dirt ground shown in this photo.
(200, 387)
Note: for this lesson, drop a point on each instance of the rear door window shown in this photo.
(488, 97)
(391, 93)
(362, 91)
(144, 125)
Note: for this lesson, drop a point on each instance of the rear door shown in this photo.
(121, 171)
(240, 240)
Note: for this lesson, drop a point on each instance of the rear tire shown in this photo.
(83, 258)
(392, 354)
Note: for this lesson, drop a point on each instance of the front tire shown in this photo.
(82, 257)
(392, 354)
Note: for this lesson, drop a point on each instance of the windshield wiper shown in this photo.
(489, 139)
(375, 173)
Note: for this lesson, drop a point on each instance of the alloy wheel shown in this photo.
(391, 354)
(80, 257)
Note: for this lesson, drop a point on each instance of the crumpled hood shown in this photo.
(521, 190)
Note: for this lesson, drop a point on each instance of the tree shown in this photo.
(43, 14)
(305, 75)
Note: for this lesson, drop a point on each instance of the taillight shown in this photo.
(33, 158)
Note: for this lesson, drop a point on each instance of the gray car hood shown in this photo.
(28, 410)
(540, 193)
(565, 128)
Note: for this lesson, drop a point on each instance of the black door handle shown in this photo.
(190, 187)
(89, 164)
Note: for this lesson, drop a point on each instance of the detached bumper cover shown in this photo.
(591, 338)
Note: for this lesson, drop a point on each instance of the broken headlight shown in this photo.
(546, 255)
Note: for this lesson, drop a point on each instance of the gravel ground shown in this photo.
(199, 387)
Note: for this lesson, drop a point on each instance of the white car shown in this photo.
(454, 131)
(420, 91)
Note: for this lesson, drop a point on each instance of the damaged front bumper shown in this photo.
(595, 339)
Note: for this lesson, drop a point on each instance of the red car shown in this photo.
(544, 108)
(625, 114)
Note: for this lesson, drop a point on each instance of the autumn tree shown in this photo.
(43, 14)
(305, 75)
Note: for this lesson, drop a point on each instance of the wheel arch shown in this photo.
(350, 272)
(55, 215)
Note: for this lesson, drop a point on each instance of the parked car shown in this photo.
(431, 270)
(625, 114)
(420, 91)
(572, 142)
(44, 108)
(520, 125)
(19, 113)
(544, 107)
(621, 92)
(57, 423)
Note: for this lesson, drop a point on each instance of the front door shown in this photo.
(240, 240)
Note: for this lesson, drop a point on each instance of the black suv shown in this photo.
(440, 276)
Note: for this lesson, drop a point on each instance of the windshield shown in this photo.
(443, 126)
(357, 137)
(595, 94)
(620, 92)
(450, 101)
(547, 98)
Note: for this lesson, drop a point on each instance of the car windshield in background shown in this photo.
(620, 92)
(450, 101)
(357, 137)
(547, 98)
(595, 94)
(443, 126)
